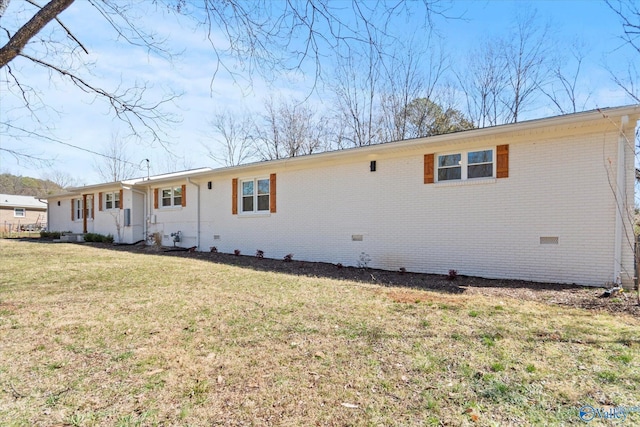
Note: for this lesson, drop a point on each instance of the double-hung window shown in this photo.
(19, 212)
(112, 200)
(255, 195)
(466, 165)
(171, 197)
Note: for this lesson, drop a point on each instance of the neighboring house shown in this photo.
(21, 213)
(547, 200)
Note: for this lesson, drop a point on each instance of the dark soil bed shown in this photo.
(549, 293)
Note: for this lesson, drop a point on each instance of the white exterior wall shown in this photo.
(173, 219)
(558, 186)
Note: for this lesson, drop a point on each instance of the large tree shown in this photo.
(246, 37)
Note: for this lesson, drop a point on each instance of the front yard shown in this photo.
(92, 336)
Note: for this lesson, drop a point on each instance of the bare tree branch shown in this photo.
(16, 44)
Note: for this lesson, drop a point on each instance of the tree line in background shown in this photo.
(375, 86)
(26, 186)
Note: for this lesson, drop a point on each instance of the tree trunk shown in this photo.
(20, 39)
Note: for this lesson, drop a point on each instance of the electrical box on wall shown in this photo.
(152, 219)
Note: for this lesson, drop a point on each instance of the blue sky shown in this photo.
(85, 122)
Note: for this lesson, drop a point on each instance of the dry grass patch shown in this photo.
(95, 337)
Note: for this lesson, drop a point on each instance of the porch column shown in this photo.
(85, 211)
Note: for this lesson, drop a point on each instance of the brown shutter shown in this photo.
(502, 161)
(100, 201)
(155, 198)
(72, 209)
(272, 193)
(184, 195)
(121, 199)
(93, 206)
(234, 196)
(428, 169)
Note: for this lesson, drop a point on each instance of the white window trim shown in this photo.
(464, 159)
(114, 194)
(15, 212)
(255, 211)
(78, 207)
(89, 208)
(173, 204)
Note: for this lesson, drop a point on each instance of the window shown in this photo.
(19, 212)
(171, 196)
(77, 208)
(112, 200)
(89, 207)
(255, 195)
(465, 165)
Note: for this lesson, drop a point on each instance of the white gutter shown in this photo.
(198, 212)
(621, 200)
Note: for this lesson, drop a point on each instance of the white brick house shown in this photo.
(545, 200)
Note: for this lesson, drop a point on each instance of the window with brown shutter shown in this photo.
(272, 193)
(502, 161)
(234, 196)
(428, 168)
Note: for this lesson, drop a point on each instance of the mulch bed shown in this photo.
(555, 294)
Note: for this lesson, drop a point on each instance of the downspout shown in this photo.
(621, 200)
(198, 212)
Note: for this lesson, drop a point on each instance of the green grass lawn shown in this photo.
(91, 336)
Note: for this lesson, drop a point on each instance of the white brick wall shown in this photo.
(558, 186)
(561, 185)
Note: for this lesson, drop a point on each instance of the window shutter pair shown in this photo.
(272, 194)
(184, 197)
(502, 164)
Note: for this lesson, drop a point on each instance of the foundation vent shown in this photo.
(549, 240)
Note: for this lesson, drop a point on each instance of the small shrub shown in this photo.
(402, 270)
(364, 260)
(98, 238)
(339, 265)
(288, 258)
(236, 252)
(213, 249)
(453, 275)
(50, 234)
(259, 254)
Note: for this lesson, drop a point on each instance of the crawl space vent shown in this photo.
(549, 240)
